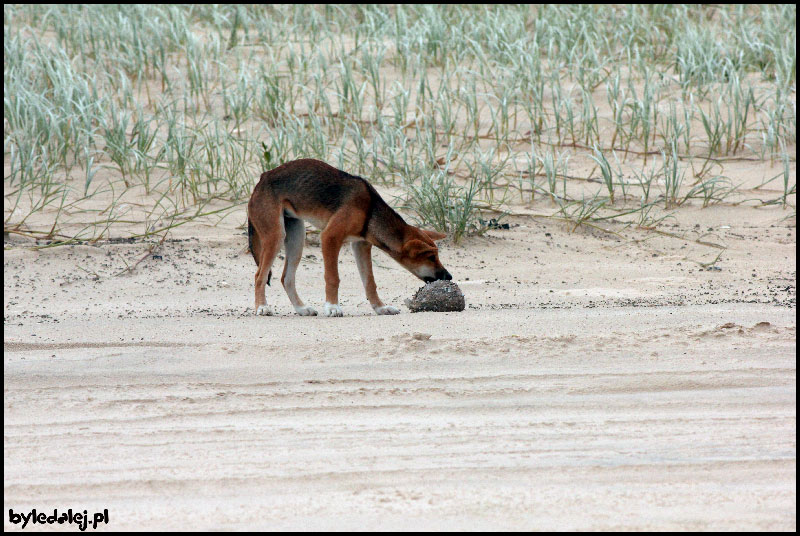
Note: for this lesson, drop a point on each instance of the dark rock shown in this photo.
(440, 296)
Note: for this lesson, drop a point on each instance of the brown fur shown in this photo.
(345, 208)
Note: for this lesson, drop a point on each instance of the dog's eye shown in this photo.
(432, 258)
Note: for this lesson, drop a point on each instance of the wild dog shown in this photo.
(345, 208)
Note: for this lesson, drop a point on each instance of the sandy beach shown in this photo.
(564, 397)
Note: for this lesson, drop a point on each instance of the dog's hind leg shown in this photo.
(267, 222)
(295, 236)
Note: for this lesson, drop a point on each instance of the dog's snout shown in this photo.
(444, 274)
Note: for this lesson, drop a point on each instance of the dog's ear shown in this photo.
(414, 248)
(433, 235)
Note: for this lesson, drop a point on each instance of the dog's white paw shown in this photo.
(387, 310)
(305, 310)
(333, 309)
(264, 310)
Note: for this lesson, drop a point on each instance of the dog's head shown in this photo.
(420, 256)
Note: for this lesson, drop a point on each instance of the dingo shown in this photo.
(347, 209)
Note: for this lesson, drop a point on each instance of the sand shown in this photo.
(592, 383)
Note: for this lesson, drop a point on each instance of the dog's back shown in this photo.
(310, 185)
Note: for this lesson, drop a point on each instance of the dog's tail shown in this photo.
(254, 245)
(251, 238)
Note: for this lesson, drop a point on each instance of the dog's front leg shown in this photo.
(363, 253)
(331, 242)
